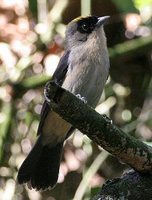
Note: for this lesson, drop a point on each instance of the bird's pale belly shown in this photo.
(55, 129)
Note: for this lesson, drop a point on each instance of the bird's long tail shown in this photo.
(40, 169)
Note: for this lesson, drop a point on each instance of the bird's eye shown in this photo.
(85, 27)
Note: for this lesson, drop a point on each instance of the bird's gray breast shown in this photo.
(86, 76)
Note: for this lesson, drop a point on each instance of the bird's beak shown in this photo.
(102, 20)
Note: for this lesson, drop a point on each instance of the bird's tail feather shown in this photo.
(40, 169)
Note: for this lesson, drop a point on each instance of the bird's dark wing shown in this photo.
(61, 70)
(58, 76)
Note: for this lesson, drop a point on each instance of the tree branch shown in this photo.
(128, 48)
(131, 186)
(100, 129)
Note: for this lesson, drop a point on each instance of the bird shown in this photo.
(83, 70)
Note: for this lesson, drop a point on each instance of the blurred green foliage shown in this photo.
(141, 3)
(33, 8)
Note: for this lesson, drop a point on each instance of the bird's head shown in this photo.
(81, 29)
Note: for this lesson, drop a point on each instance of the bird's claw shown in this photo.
(83, 99)
(109, 122)
(47, 90)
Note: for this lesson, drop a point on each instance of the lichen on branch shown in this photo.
(100, 129)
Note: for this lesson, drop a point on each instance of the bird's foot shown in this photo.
(83, 99)
(109, 122)
(48, 90)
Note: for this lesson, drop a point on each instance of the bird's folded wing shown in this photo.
(58, 76)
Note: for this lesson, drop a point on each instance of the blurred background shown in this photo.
(31, 44)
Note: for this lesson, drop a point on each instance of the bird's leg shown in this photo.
(83, 99)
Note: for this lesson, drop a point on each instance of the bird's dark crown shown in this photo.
(86, 24)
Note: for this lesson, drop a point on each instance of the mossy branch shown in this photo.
(100, 129)
(131, 186)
